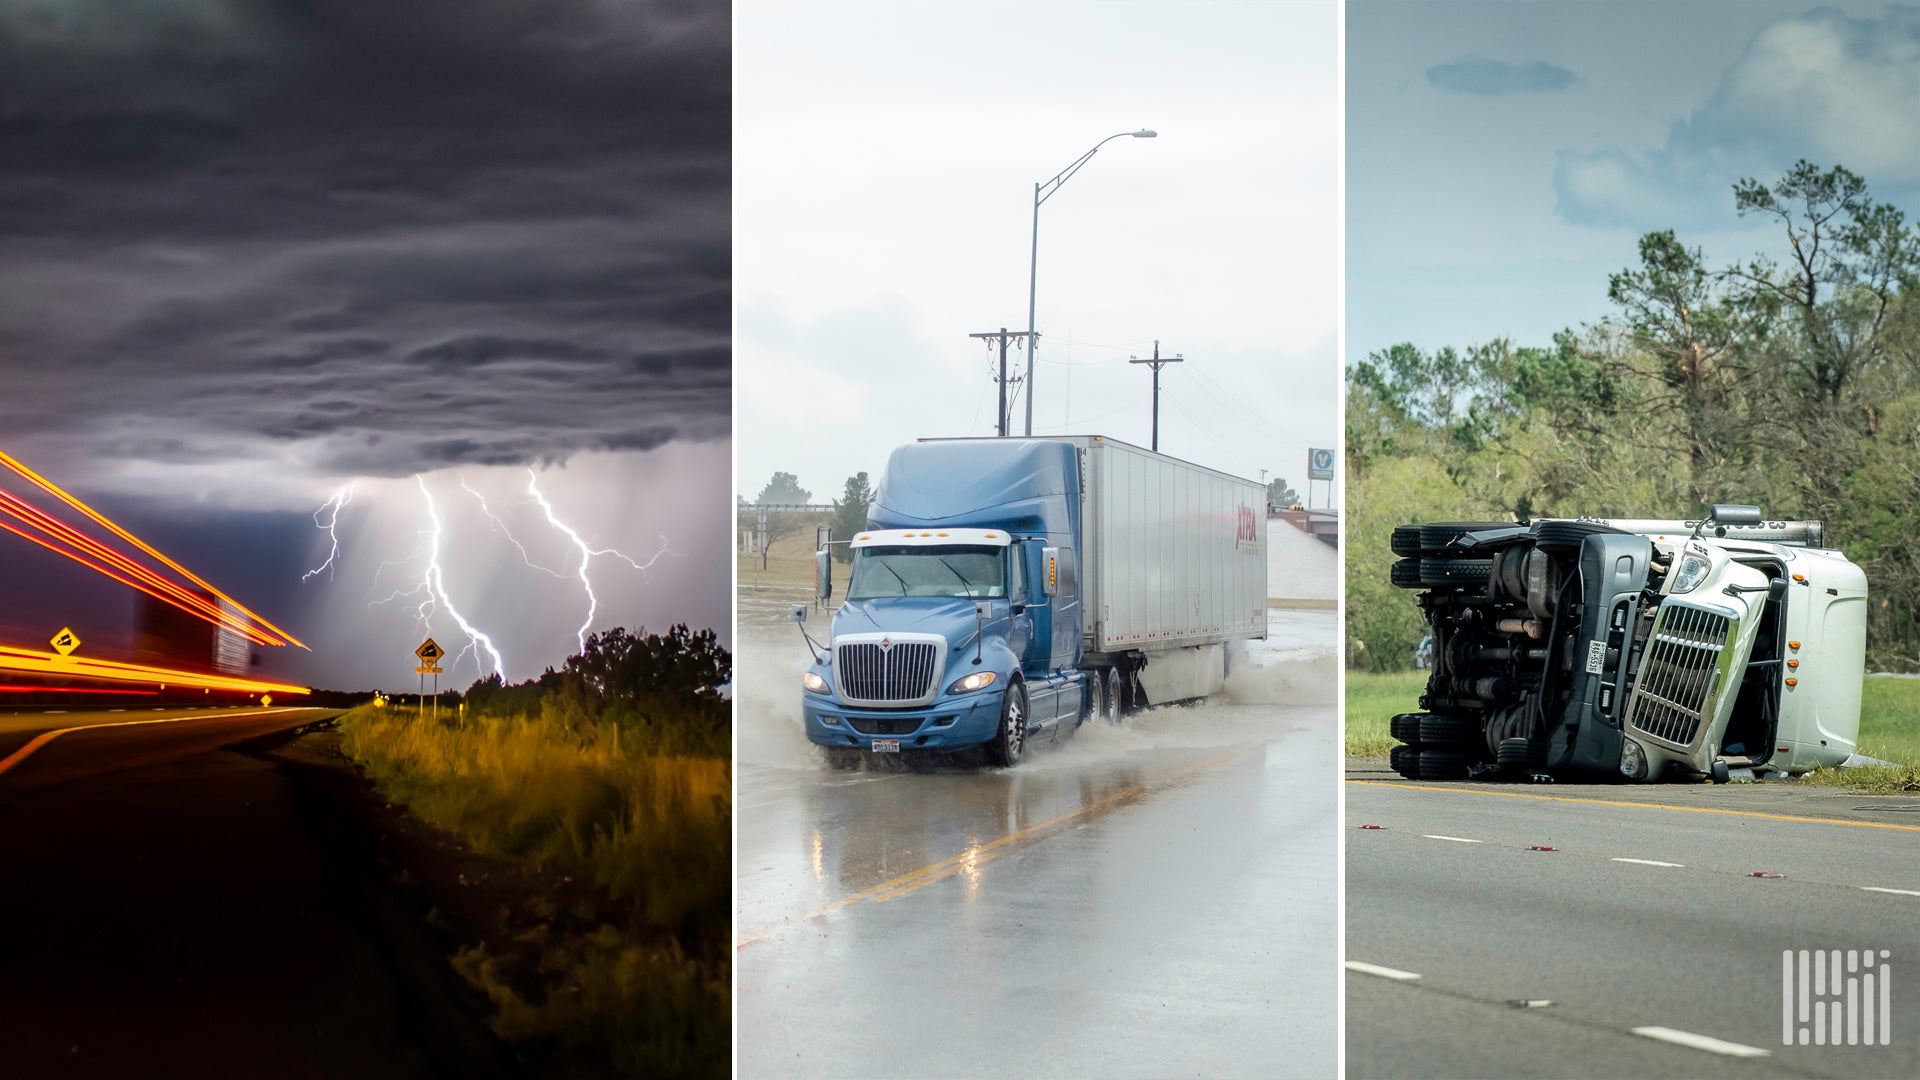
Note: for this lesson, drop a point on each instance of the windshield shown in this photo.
(970, 572)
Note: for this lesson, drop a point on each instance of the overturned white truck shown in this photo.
(1632, 649)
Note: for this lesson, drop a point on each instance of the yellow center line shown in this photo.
(913, 880)
(1643, 806)
(46, 737)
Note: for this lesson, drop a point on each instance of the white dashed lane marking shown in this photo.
(1455, 839)
(1701, 1042)
(1383, 972)
(1651, 862)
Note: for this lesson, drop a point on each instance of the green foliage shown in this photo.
(1796, 388)
(850, 514)
(1281, 494)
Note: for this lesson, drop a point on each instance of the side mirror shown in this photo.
(980, 611)
(822, 574)
(1777, 589)
(797, 613)
(1734, 514)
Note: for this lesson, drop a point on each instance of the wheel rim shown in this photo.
(1016, 728)
(1113, 696)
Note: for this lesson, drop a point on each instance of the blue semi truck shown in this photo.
(1006, 590)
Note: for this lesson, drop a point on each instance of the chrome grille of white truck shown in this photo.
(888, 670)
(1673, 694)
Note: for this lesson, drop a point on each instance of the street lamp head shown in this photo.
(1146, 133)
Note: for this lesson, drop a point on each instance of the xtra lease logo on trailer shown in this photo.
(1248, 538)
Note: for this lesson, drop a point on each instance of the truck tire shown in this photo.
(1440, 731)
(1406, 727)
(1406, 540)
(1405, 574)
(1010, 740)
(1437, 535)
(1444, 765)
(1529, 754)
(1405, 761)
(1437, 573)
(1565, 537)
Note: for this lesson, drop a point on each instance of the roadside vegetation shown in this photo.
(613, 776)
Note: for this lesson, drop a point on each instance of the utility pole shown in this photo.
(1003, 336)
(1157, 363)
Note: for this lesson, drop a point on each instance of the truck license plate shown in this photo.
(886, 746)
(1596, 657)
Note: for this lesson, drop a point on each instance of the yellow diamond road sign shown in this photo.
(429, 651)
(66, 641)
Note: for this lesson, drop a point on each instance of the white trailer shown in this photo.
(1174, 563)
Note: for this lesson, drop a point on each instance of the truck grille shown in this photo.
(1674, 693)
(888, 670)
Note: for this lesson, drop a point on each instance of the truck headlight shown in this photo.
(979, 680)
(1693, 570)
(1633, 760)
(814, 683)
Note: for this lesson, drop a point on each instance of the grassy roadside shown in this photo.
(627, 963)
(1889, 726)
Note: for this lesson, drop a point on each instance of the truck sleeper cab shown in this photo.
(1632, 649)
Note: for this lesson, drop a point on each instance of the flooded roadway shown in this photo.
(1151, 899)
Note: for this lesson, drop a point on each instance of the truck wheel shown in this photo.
(1528, 754)
(1109, 680)
(1455, 573)
(1405, 574)
(1405, 761)
(1406, 540)
(1444, 765)
(1007, 743)
(1435, 537)
(1406, 727)
(1450, 731)
(1565, 537)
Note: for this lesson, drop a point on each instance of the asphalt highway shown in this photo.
(1647, 942)
(178, 903)
(1154, 899)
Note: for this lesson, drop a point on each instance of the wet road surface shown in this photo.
(1152, 899)
(1647, 914)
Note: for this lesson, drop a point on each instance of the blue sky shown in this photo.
(1503, 158)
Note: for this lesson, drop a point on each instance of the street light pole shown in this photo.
(1043, 191)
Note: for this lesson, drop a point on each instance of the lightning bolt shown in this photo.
(340, 499)
(501, 527)
(438, 586)
(587, 552)
(431, 589)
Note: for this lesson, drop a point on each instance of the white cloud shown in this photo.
(1823, 86)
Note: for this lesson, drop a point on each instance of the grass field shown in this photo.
(1889, 726)
(641, 977)
(790, 563)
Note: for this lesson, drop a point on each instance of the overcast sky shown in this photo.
(1504, 158)
(885, 164)
(251, 252)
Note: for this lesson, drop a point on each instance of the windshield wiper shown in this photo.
(965, 583)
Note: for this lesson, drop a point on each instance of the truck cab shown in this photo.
(961, 625)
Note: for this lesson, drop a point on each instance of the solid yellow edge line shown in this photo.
(46, 737)
(1643, 806)
(894, 888)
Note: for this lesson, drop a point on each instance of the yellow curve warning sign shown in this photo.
(65, 641)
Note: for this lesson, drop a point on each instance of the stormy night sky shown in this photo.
(252, 253)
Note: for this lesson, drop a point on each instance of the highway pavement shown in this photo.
(1619, 930)
(180, 900)
(1153, 899)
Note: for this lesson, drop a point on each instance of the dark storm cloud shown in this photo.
(395, 236)
(1474, 75)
